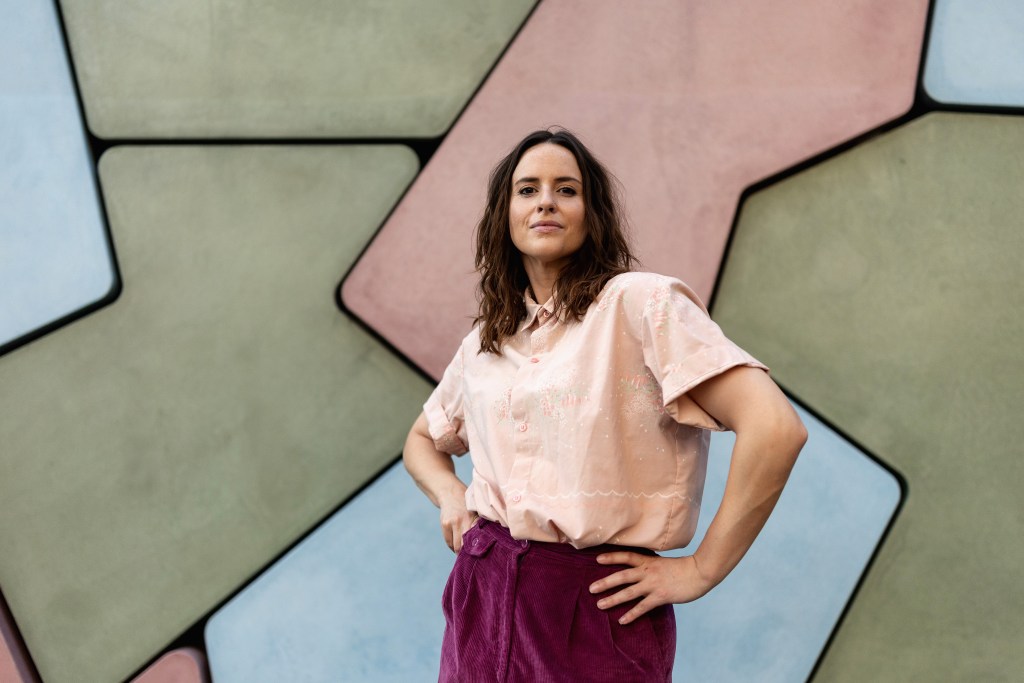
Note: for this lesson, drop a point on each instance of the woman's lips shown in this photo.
(546, 227)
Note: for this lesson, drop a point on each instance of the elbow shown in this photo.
(791, 435)
(797, 435)
(407, 451)
(789, 429)
(415, 436)
(789, 438)
(783, 435)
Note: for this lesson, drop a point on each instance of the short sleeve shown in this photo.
(683, 347)
(444, 410)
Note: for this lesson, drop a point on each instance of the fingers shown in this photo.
(616, 579)
(625, 595)
(640, 589)
(454, 527)
(643, 580)
(639, 609)
(447, 532)
(632, 559)
(653, 581)
(457, 535)
(467, 523)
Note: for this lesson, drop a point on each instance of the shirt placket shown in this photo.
(526, 436)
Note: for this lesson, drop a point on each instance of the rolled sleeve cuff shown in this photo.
(681, 377)
(442, 431)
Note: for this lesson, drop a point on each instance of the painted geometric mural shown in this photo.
(685, 120)
(235, 251)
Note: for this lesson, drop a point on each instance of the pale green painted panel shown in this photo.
(883, 287)
(157, 453)
(216, 68)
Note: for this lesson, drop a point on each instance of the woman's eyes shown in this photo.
(567, 191)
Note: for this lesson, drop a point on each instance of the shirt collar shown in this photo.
(533, 309)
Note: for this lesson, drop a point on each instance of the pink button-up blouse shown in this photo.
(582, 432)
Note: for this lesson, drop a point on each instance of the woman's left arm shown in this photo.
(769, 435)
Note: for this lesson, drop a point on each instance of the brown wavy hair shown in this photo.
(605, 252)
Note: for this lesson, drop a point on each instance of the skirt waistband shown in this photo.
(564, 551)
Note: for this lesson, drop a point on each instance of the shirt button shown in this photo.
(522, 427)
(516, 498)
(544, 314)
(535, 360)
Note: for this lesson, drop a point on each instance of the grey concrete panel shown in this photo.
(54, 257)
(214, 69)
(160, 451)
(883, 287)
(359, 599)
(976, 53)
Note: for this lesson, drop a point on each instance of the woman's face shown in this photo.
(545, 214)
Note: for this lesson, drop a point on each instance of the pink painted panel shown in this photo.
(185, 665)
(688, 102)
(15, 666)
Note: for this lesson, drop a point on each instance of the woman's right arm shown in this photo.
(434, 472)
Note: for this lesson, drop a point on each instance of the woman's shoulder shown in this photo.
(472, 339)
(637, 289)
(640, 279)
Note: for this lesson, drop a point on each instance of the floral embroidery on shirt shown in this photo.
(449, 442)
(658, 309)
(641, 393)
(612, 294)
(503, 406)
(558, 397)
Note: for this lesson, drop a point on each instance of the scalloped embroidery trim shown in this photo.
(594, 494)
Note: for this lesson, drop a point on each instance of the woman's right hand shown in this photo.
(434, 472)
(455, 519)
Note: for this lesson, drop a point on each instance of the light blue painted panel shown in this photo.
(54, 256)
(360, 598)
(976, 53)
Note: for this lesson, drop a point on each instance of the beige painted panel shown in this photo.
(883, 288)
(217, 68)
(159, 452)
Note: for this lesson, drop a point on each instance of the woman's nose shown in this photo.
(547, 201)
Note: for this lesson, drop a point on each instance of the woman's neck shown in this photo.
(542, 278)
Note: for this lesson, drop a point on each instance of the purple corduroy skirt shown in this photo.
(521, 612)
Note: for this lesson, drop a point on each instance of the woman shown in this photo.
(585, 394)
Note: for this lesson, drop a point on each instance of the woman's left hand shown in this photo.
(657, 580)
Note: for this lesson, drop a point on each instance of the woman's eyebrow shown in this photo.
(560, 179)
